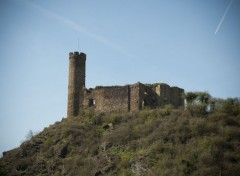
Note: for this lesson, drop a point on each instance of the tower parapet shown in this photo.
(76, 82)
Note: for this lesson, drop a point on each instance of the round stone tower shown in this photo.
(76, 82)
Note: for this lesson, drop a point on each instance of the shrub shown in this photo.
(48, 142)
(113, 118)
(125, 172)
(148, 142)
(168, 107)
(126, 158)
(22, 164)
(120, 135)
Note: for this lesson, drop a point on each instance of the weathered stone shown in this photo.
(115, 98)
(76, 82)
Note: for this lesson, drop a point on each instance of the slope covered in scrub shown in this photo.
(150, 142)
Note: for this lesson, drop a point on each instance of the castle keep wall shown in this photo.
(136, 97)
(147, 97)
(176, 97)
(109, 99)
(132, 97)
(163, 92)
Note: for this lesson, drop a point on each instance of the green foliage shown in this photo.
(230, 106)
(168, 107)
(113, 118)
(3, 170)
(198, 103)
(48, 142)
(125, 157)
(125, 172)
(226, 105)
(150, 142)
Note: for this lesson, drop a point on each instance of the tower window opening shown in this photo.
(92, 102)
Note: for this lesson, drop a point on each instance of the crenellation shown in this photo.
(133, 97)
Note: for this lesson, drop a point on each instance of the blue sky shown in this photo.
(169, 41)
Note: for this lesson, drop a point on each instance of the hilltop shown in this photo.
(150, 142)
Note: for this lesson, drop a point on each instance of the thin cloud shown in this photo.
(224, 15)
(76, 27)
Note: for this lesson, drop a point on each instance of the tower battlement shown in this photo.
(76, 53)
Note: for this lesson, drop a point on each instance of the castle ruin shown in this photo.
(127, 98)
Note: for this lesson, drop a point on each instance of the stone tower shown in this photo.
(76, 82)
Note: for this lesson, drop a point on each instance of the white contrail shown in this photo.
(76, 27)
(220, 23)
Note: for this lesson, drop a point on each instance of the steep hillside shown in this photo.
(151, 142)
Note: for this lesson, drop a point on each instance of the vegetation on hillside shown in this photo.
(202, 139)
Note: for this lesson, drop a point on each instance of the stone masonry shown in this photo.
(115, 98)
(76, 82)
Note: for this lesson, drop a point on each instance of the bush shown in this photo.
(149, 142)
(48, 142)
(113, 118)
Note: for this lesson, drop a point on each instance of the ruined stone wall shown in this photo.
(136, 97)
(177, 99)
(150, 98)
(163, 92)
(88, 99)
(76, 82)
(142, 95)
(115, 98)
(181, 97)
(108, 99)
(131, 97)
(159, 94)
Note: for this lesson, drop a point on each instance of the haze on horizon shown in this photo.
(125, 41)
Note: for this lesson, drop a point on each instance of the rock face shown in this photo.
(126, 98)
